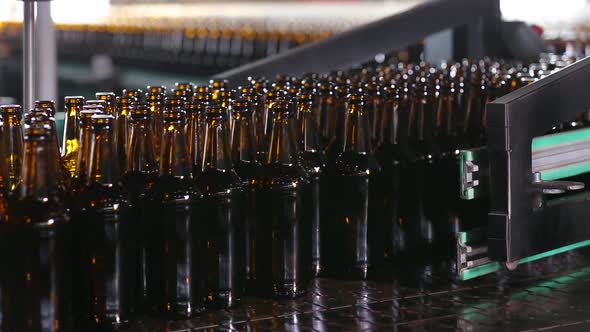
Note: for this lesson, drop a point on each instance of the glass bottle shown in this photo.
(353, 216)
(35, 243)
(103, 233)
(221, 188)
(283, 241)
(12, 142)
(175, 264)
(140, 176)
(313, 161)
(249, 169)
(155, 99)
(71, 143)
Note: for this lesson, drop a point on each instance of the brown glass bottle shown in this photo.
(155, 100)
(71, 143)
(282, 240)
(4, 184)
(122, 127)
(35, 244)
(324, 106)
(103, 233)
(111, 102)
(134, 93)
(12, 142)
(313, 161)
(221, 188)
(140, 176)
(83, 156)
(249, 169)
(174, 264)
(195, 133)
(352, 216)
(46, 104)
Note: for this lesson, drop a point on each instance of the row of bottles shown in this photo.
(167, 203)
(208, 48)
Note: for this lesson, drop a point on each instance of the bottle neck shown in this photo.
(216, 153)
(39, 176)
(174, 151)
(70, 138)
(356, 132)
(140, 151)
(103, 166)
(283, 149)
(243, 146)
(309, 136)
(85, 140)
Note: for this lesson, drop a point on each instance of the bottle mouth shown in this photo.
(132, 92)
(74, 100)
(102, 121)
(11, 110)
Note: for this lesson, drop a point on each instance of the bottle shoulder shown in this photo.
(173, 189)
(36, 213)
(105, 197)
(314, 162)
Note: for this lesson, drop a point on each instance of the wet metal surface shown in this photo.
(550, 295)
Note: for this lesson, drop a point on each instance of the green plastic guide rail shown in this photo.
(464, 239)
(554, 156)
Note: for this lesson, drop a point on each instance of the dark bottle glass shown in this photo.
(352, 215)
(324, 106)
(195, 133)
(110, 100)
(185, 86)
(335, 119)
(12, 142)
(140, 176)
(155, 100)
(122, 127)
(249, 169)
(174, 264)
(221, 188)
(314, 162)
(134, 93)
(259, 86)
(392, 159)
(103, 235)
(35, 243)
(71, 143)
(4, 183)
(282, 240)
(375, 107)
(44, 116)
(83, 155)
(46, 104)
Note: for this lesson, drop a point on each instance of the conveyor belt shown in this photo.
(550, 294)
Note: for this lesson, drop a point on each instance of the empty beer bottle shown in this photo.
(110, 100)
(46, 104)
(221, 188)
(281, 235)
(104, 237)
(324, 106)
(140, 176)
(249, 169)
(314, 162)
(185, 86)
(174, 262)
(35, 241)
(12, 142)
(353, 217)
(71, 143)
(83, 155)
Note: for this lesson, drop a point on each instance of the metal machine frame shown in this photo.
(522, 220)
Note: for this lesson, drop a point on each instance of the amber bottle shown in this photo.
(105, 262)
(71, 143)
(249, 169)
(220, 212)
(140, 176)
(155, 98)
(283, 245)
(313, 161)
(12, 142)
(83, 156)
(35, 244)
(174, 266)
(352, 214)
